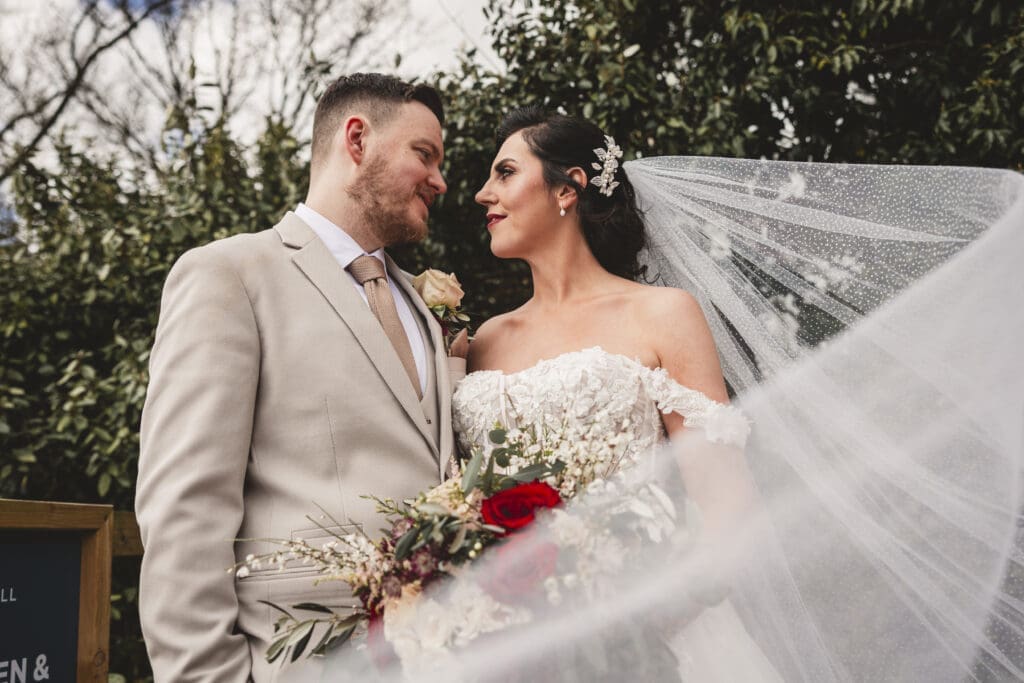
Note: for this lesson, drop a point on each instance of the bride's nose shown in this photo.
(485, 196)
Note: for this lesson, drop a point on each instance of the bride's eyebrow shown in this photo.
(502, 161)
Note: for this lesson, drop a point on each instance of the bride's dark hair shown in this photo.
(612, 226)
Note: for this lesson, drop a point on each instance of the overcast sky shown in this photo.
(429, 42)
(447, 26)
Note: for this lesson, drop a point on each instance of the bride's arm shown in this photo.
(715, 475)
(457, 358)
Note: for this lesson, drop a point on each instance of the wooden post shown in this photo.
(96, 524)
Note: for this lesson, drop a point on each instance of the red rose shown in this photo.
(514, 508)
(517, 568)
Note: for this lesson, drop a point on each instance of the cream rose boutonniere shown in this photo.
(438, 288)
(443, 294)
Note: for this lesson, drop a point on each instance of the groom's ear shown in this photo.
(354, 131)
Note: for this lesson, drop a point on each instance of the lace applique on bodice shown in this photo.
(589, 390)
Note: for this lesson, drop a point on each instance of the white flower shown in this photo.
(551, 589)
(434, 625)
(567, 528)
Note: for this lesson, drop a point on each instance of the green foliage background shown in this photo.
(888, 81)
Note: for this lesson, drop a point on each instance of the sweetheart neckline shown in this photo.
(564, 354)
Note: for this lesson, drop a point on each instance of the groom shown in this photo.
(293, 368)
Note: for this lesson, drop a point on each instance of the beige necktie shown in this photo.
(369, 272)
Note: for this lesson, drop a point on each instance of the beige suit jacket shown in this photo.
(273, 390)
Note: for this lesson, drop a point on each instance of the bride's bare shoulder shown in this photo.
(677, 328)
(660, 306)
(489, 337)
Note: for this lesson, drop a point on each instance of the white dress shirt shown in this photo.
(345, 250)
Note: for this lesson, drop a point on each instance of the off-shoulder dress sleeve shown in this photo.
(721, 423)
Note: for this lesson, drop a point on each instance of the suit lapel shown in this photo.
(320, 267)
(440, 360)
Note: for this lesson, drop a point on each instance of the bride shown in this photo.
(866, 532)
(592, 338)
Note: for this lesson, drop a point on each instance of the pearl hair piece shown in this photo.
(609, 158)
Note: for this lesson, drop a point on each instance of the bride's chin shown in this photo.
(502, 250)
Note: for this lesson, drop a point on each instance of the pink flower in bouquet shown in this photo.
(424, 564)
(517, 569)
(516, 507)
(391, 587)
(399, 528)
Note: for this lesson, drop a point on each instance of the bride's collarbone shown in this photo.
(523, 338)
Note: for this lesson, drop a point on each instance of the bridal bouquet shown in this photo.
(508, 483)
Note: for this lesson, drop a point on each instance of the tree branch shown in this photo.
(73, 86)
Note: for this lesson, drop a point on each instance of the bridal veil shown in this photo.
(870, 320)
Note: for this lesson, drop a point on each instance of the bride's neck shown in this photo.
(566, 276)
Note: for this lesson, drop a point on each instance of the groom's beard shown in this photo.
(385, 208)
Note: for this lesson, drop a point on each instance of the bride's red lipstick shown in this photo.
(492, 219)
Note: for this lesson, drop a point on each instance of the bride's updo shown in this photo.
(612, 225)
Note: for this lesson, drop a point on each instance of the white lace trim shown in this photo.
(721, 423)
(591, 389)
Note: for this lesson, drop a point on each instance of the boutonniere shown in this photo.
(442, 293)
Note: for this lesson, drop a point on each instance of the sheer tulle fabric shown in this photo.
(889, 456)
(869, 320)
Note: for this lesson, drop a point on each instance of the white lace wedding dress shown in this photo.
(594, 389)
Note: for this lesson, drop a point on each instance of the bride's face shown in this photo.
(521, 208)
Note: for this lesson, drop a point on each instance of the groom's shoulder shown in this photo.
(236, 250)
(243, 243)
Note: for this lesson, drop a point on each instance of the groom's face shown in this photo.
(401, 175)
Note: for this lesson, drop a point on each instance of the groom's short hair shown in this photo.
(377, 95)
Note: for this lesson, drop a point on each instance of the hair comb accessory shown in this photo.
(609, 158)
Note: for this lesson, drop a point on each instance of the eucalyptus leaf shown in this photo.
(405, 543)
(340, 637)
(300, 630)
(532, 472)
(321, 646)
(300, 640)
(280, 609)
(458, 540)
(501, 457)
(433, 509)
(313, 607)
(276, 649)
(470, 475)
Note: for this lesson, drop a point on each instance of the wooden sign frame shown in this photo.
(96, 524)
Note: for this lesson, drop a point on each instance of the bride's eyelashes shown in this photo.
(503, 171)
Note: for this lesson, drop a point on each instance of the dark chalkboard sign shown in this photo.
(54, 591)
(39, 584)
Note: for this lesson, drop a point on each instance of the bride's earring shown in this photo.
(561, 212)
